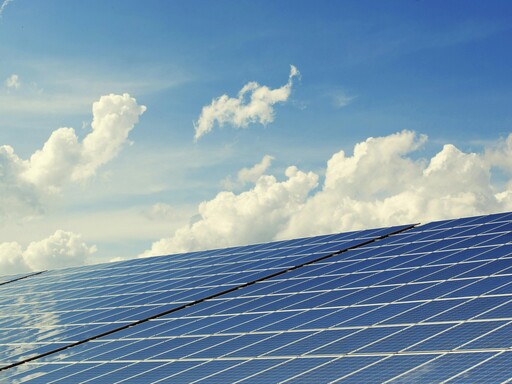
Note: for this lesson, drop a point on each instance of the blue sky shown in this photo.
(367, 69)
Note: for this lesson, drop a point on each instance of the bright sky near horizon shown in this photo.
(132, 128)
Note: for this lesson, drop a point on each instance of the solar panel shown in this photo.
(55, 309)
(431, 303)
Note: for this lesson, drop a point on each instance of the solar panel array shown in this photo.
(430, 303)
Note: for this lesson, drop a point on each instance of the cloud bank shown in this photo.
(254, 104)
(60, 250)
(64, 158)
(380, 184)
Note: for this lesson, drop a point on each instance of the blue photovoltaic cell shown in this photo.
(334, 369)
(241, 371)
(443, 367)
(493, 370)
(386, 369)
(457, 336)
(424, 305)
(286, 370)
(498, 338)
(403, 339)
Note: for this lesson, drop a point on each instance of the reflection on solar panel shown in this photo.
(425, 304)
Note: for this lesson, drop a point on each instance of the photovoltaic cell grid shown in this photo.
(429, 304)
(55, 309)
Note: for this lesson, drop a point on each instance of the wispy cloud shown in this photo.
(341, 99)
(65, 86)
(254, 104)
(3, 6)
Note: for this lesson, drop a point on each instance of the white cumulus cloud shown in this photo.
(253, 215)
(249, 175)
(114, 116)
(64, 158)
(254, 104)
(501, 155)
(13, 81)
(60, 250)
(381, 183)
